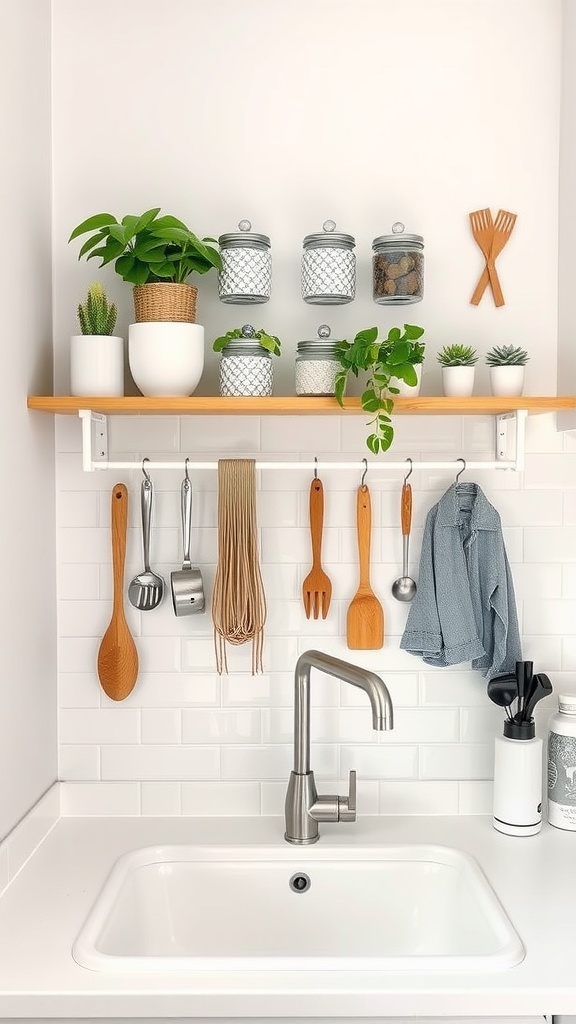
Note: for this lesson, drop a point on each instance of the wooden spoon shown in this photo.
(117, 656)
(365, 619)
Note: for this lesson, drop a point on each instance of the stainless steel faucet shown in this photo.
(304, 807)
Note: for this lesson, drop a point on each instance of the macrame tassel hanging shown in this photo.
(238, 602)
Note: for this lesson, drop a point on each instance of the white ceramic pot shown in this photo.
(458, 381)
(97, 365)
(166, 358)
(507, 380)
(406, 390)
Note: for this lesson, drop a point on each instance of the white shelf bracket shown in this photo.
(94, 439)
(510, 445)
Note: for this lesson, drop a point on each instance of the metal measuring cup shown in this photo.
(186, 583)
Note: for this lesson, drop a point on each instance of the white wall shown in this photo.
(567, 221)
(27, 522)
(289, 113)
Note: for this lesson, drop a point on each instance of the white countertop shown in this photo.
(43, 909)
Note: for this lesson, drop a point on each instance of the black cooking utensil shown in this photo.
(502, 690)
(540, 687)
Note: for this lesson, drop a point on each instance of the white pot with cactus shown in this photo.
(506, 363)
(97, 355)
(458, 364)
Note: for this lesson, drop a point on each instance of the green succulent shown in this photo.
(506, 355)
(457, 355)
(97, 315)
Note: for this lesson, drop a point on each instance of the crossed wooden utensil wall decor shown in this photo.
(491, 235)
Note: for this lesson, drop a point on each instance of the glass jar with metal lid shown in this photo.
(245, 367)
(328, 267)
(246, 275)
(317, 364)
(398, 267)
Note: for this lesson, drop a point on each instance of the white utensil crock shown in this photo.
(166, 358)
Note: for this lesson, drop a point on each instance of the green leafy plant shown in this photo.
(147, 248)
(97, 315)
(268, 341)
(506, 355)
(395, 356)
(457, 355)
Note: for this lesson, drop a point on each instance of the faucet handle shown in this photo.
(347, 804)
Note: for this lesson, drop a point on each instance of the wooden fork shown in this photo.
(483, 231)
(503, 227)
(317, 588)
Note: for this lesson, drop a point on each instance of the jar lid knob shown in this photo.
(244, 225)
(248, 331)
(398, 227)
(323, 331)
(329, 225)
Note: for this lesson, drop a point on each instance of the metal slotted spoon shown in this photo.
(147, 588)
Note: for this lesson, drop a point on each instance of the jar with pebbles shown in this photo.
(246, 275)
(317, 364)
(328, 271)
(398, 267)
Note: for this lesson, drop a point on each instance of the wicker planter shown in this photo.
(164, 300)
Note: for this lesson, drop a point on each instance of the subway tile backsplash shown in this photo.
(187, 741)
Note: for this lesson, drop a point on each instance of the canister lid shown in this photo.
(244, 237)
(567, 703)
(329, 237)
(398, 239)
(323, 345)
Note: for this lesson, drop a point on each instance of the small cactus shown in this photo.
(97, 315)
(457, 355)
(506, 355)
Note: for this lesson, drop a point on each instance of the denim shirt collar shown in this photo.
(483, 515)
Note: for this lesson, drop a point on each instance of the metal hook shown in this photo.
(145, 471)
(186, 461)
(315, 468)
(409, 473)
(365, 461)
(459, 473)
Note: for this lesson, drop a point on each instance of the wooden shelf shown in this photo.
(294, 406)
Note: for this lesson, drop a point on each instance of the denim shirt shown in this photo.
(464, 608)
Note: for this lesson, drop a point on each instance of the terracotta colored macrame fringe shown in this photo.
(238, 601)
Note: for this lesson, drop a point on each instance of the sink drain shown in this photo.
(300, 882)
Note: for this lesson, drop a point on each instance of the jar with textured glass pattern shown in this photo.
(398, 267)
(246, 275)
(328, 267)
(317, 364)
(245, 367)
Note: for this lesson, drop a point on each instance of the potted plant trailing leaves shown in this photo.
(506, 363)
(246, 362)
(156, 254)
(458, 364)
(97, 354)
(387, 361)
(416, 357)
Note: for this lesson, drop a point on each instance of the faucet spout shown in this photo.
(304, 808)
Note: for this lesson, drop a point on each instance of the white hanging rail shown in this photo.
(95, 452)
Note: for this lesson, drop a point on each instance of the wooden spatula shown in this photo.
(117, 656)
(365, 619)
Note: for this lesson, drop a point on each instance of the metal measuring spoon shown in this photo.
(404, 588)
(147, 588)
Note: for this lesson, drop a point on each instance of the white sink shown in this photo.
(394, 908)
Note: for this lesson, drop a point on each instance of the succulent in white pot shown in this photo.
(458, 364)
(506, 363)
(97, 354)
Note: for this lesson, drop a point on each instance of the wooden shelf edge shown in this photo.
(292, 406)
